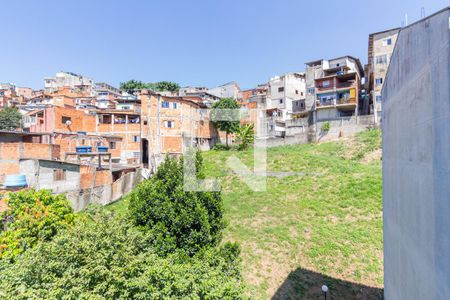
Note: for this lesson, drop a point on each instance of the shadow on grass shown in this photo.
(305, 284)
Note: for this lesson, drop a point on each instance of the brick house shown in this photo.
(170, 125)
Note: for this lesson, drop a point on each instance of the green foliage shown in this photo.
(32, 216)
(105, 257)
(164, 86)
(132, 85)
(177, 219)
(326, 127)
(245, 136)
(227, 122)
(220, 147)
(10, 118)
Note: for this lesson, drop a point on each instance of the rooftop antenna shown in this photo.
(422, 12)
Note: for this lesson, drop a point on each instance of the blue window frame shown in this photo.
(165, 104)
(378, 98)
(174, 105)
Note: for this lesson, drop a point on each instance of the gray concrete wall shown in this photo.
(105, 194)
(303, 134)
(39, 175)
(416, 163)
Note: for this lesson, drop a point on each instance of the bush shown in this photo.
(32, 216)
(178, 220)
(246, 136)
(220, 147)
(105, 257)
(10, 118)
(326, 127)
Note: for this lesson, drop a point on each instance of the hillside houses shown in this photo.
(121, 132)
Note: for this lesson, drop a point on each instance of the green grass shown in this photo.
(327, 220)
(323, 226)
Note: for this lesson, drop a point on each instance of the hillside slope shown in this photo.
(319, 222)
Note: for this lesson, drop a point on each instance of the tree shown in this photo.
(245, 136)
(10, 118)
(132, 85)
(164, 86)
(104, 257)
(178, 220)
(32, 216)
(226, 110)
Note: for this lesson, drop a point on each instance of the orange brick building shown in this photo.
(15, 146)
(170, 125)
(71, 128)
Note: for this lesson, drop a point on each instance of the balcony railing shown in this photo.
(338, 85)
(335, 102)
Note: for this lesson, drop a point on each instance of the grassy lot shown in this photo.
(320, 226)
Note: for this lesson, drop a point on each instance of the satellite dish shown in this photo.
(68, 122)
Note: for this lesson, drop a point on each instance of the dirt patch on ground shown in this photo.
(3, 205)
(372, 156)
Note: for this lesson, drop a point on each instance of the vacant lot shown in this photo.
(319, 222)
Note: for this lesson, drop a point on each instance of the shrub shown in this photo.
(10, 118)
(220, 147)
(32, 216)
(245, 136)
(326, 127)
(105, 257)
(175, 218)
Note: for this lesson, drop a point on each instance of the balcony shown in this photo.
(336, 102)
(339, 85)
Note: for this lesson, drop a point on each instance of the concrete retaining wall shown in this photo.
(339, 128)
(105, 194)
(416, 163)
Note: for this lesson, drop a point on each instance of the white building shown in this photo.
(381, 46)
(228, 90)
(286, 94)
(68, 79)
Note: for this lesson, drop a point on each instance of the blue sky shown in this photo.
(203, 43)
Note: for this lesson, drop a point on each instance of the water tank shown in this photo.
(102, 149)
(15, 181)
(83, 149)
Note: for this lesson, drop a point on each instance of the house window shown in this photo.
(105, 119)
(378, 98)
(301, 94)
(112, 145)
(64, 120)
(281, 89)
(169, 124)
(136, 138)
(387, 42)
(381, 59)
(281, 101)
(174, 105)
(59, 174)
(302, 105)
(326, 83)
(136, 154)
(296, 92)
(378, 81)
(310, 90)
(165, 104)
